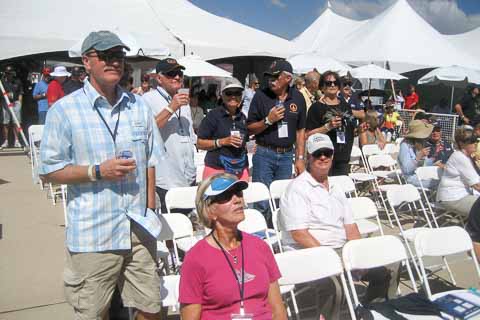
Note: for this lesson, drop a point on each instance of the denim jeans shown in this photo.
(269, 166)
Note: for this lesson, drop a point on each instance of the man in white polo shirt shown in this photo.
(313, 213)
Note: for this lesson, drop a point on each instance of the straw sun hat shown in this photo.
(418, 129)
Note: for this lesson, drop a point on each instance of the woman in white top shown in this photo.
(455, 191)
(197, 112)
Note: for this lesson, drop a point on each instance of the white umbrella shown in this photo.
(196, 67)
(371, 71)
(135, 43)
(305, 62)
(453, 76)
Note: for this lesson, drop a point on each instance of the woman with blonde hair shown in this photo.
(229, 274)
(369, 133)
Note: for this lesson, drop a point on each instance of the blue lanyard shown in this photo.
(115, 131)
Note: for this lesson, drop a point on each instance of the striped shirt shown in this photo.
(99, 212)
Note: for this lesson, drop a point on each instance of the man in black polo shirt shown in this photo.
(277, 119)
(468, 108)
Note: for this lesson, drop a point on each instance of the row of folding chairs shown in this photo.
(35, 133)
(308, 265)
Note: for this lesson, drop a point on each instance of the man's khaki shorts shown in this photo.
(90, 278)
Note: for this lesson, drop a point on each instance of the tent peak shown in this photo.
(329, 5)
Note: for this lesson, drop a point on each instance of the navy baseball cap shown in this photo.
(167, 65)
(101, 41)
(222, 184)
(279, 66)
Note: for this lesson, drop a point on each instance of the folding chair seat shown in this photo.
(277, 188)
(307, 265)
(442, 242)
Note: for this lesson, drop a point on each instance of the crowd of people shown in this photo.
(119, 148)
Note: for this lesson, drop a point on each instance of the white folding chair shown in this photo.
(35, 133)
(345, 183)
(370, 253)
(316, 263)
(181, 233)
(256, 192)
(180, 198)
(385, 161)
(254, 223)
(364, 208)
(277, 188)
(355, 159)
(390, 148)
(442, 242)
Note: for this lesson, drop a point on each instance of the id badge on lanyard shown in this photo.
(341, 137)
(242, 315)
(283, 129)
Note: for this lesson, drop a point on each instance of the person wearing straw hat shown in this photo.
(55, 88)
(229, 274)
(102, 143)
(414, 152)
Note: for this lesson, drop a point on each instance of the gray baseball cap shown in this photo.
(101, 41)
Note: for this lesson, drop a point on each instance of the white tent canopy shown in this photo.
(303, 63)
(30, 27)
(329, 28)
(371, 71)
(468, 41)
(196, 67)
(403, 38)
(451, 76)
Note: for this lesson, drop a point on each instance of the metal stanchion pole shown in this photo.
(14, 117)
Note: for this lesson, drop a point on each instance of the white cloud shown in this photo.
(279, 3)
(444, 15)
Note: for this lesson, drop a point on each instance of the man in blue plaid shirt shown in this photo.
(101, 141)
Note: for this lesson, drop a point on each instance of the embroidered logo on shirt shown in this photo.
(293, 107)
(248, 277)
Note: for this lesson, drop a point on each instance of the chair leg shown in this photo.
(450, 274)
(294, 301)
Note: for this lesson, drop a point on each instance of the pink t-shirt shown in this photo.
(207, 279)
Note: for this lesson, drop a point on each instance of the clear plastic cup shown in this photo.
(123, 150)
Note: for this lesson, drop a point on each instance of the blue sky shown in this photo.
(288, 18)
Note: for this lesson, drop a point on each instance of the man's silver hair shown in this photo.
(292, 82)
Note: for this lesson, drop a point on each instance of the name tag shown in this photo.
(238, 316)
(283, 130)
(341, 137)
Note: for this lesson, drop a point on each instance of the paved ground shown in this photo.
(31, 249)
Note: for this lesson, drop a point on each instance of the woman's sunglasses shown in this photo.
(331, 83)
(233, 93)
(226, 196)
(173, 73)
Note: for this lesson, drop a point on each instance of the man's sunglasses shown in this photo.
(226, 196)
(233, 93)
(319, 153)
(331, 83)
(173, 73)
(347, 84)
(107, 55)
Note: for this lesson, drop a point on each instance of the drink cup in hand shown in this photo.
(123, 151)
(183, 91)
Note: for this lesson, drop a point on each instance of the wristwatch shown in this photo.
(301, 157)
(97, 172)
(267, 122)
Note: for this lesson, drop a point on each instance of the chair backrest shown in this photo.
(178, 225)
(441, 242)
(278, 187)
(255, 192)
(381, 160)
(181, 198)
(429, 173)
(316, 263)
(371, 253)
(36, 131)
(363, 207)
(169, 290)
(402, 193)
(356, 152)
(345, 183)
(371, 149)
(255, 222)
(390, 148)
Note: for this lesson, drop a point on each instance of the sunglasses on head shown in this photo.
(226, 196)
(108, 55)
(173, 73)
(233, 93)
(323, 152)
(331, 83)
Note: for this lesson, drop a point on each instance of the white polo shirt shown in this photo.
(458, 177)
(306, 204)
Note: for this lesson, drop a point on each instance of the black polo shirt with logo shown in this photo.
(218, 124)
(295, 116)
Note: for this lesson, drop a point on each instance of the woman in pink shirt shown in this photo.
(229, 274)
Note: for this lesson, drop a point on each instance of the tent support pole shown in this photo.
(393, 91)
(369, 87)
(451, 99)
